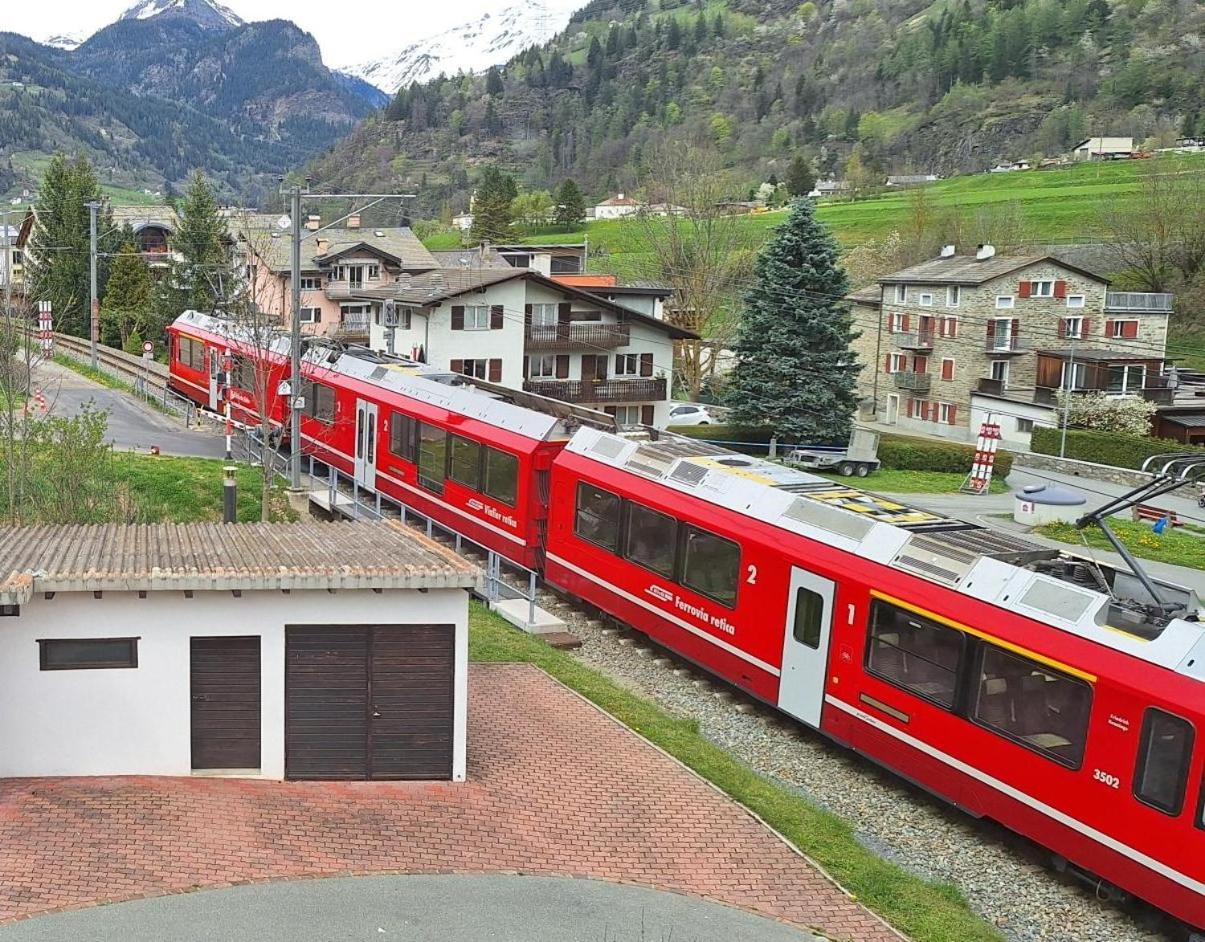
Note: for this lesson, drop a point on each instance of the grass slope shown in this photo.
(189, 490)
(927, 912)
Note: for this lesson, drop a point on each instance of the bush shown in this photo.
(898, 452)
(1111, 448)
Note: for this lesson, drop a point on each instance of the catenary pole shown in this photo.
(94, 316)
(1068, 387)
(295, 346)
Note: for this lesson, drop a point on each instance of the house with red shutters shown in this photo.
(949, 342)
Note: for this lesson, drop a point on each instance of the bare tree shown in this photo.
(699, 249)
(1158, 238)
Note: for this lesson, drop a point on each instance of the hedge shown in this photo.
(899, 452)
(1111, 448)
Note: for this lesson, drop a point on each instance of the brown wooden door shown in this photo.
(226, 712)
(369, 702)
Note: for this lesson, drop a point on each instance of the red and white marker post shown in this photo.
(979, 481)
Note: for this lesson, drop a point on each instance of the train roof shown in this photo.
(526, 414)
(1000, 568)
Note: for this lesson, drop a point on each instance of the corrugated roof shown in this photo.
(223, 557)
(1188, 421)
(968, 270)
(400, 242)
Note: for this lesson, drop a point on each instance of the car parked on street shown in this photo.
(690, 414)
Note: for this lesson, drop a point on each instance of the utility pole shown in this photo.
(1068, 386)
(93, 207)
(295, 346)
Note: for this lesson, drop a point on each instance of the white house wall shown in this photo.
(137, 721)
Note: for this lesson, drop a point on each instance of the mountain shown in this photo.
(474, 47)
(901, 85)
(172, 86)
(65, 42)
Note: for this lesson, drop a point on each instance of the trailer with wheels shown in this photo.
(858, 458)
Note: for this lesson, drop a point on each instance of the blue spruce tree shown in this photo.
(795, 374)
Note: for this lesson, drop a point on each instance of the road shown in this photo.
(985, 510)
(133, 425)
(497, 908)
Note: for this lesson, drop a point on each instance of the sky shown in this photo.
(376, 28)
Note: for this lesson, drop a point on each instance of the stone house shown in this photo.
(950, 341)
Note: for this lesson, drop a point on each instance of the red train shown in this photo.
(1018, 683)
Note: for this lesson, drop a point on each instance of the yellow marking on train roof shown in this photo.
(745, 473)
(983, 635)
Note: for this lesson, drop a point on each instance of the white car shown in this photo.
(689, 414)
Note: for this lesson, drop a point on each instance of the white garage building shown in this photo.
(301, 651)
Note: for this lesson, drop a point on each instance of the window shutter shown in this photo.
(526, 367)
(920, 364)
(1060, 289)
(1085, 327)
(527, 315)
(991, 332)
(887, 364)
(317, 315)
(947, 369)
(458, 366)
(646, 364)
(889, 320)
(1129, 330)
(562, 312)
(562, 366)
(646, 415)
(495, 371)
(1016, 332)
(952, 328)
(1108, 328)
(906, 320)
(496, 314)
(1062, 328)
(953, 415)
(1024, 289)
(911, 403)
(458, 317)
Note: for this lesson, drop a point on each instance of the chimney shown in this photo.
(313, 223)
(485, 249)
(353, 221)
(323, 245)
(985, 252)
(948, 251)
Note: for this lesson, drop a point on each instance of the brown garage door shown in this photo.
(225, 703)
(369, 702)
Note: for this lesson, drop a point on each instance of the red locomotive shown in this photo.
(1020, 684)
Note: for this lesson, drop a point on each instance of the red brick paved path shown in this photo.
(555, 787)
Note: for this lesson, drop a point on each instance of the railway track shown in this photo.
(133, 370)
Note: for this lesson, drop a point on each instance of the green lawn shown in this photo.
(926, 912)
(891, 481)
(1180, 546)
(186, 490)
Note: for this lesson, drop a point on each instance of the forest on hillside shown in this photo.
(893, 85)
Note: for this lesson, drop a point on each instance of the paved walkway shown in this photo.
(481, 908)
(133, 425)
(556, 787)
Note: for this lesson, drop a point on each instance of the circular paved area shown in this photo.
(415, 908)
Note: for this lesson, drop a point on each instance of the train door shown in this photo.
(366, 444)
(215, 368)
(805, 646)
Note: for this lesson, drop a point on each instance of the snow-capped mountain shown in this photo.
(472, 47)
(65, 42)
(205, 13)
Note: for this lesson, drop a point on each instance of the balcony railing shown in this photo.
(1007, 345)
(353, 327)
(916, 382)
(914, 339)
(568, 336)
(1138, 302)
(607, 390)
(1160, 395)
(342, 290)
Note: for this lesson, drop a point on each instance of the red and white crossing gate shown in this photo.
(979, 481)
(46, 328)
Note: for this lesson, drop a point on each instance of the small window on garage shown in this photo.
(77, 654)
(597, 518)
(809, 610)
(1163, 755)
(711, 565)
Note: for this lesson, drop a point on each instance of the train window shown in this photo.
(914, 653)
(809, 611)
(711, 565)
(244, 374)
(650, 539)
(190, 353)
(1033, 705)
(597, 517)
(501, 476)
(432, 457)
(402, 437)
(464, 466)
(1163, 754)
(320, 402)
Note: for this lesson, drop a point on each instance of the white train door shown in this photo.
(366, 444)
(805, 646)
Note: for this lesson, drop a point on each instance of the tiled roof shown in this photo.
(471, 258)
(871, 294)
(968, 270)
(275, 247)
(138, 216)
(225, 557)
(433, 286)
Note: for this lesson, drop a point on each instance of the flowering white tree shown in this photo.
(1128, 415)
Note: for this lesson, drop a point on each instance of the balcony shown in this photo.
(1160, 395)
(569, 336)
(345, 291)
(354, 327)
(599, 391)
(914, 382)
(1006, 346)
(914, 339)
(1138, 302)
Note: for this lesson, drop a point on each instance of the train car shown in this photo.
(1017, 683)
(467, 455)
